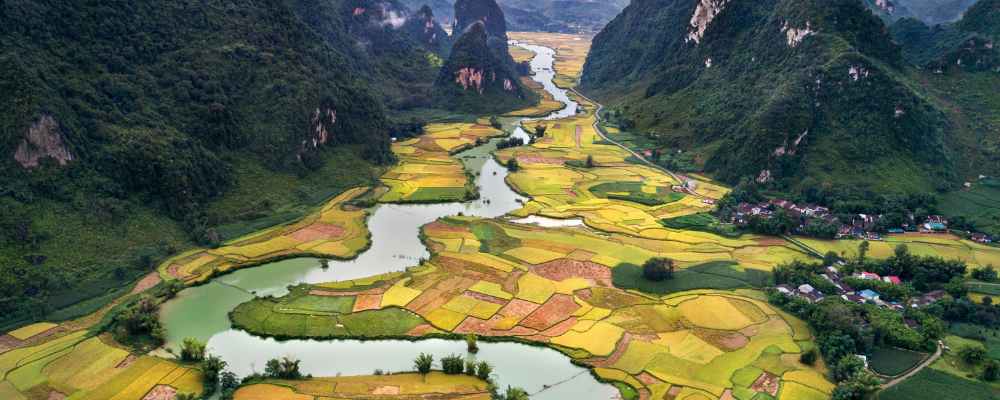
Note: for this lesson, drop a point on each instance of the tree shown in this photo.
(809, 357)
(956, 287)
(483, 370)
(453, 364)
(495, 122)
(857, 387)
(470, 342)
(847, 367)
(512, 165)
(830, 258)
(972, 355)
(590, 161)
(211, 368)
(992, 371)
(228, 383)
(285, 368)
(192, 350)
(540, 130)
(985, 274)
(423, 363)
(863, 251)
(658, 269)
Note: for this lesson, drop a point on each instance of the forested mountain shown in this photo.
(967, 44)
(130, 128)
(480, 73)
(794, 93)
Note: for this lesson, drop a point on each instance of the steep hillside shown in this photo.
(129, 129)
(967, 44)
(444, 10)
(423, 27)
(478, 76)
(775, 90)
(568, 16)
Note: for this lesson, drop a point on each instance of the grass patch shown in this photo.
(712, 275)
(892, 362)
(702, 222)
(636, 192)
(979, 205)
(931, 384)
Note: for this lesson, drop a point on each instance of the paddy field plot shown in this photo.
(555, 287)
(427, 172)
(86, 367)
(411, 386)
(336, 230)
(571, 53)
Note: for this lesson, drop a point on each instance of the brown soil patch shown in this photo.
(540, 160)
(386, 391)
(510, 284)
(560, 328)
(727, 395)
(421, 330)
(579, 134)
(174, 270)
(485, 297)
(724, 340)
(565, 268)
(475, 325)
(438, 226)
(8, 342)
(318, 231)
(766, 383)
(558, 308)
(674, 391)
(148, 281)
(367, 302)
(54, 395)
(518, 308)
(126, 362)
(161, 392)
(750, 331)
(648, 379)
(771, 241)
(429, 300)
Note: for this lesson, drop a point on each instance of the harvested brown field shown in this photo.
(565, 268)
(558, 308)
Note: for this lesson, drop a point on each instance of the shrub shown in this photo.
(470, 341)
(285, 368)
(483, 370)
(972, 355)
(470, 368)
(453, 364)
(192, 350)
(423, 363)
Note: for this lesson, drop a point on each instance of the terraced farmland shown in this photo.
(337, 230)
(553, 286)
(434, 386)
(427, 172)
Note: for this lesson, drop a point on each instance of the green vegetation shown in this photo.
(931, 384)
(978, 207)
(713, 275)
(702, 222)
(853, 130)
(634, 192)
(892, 362)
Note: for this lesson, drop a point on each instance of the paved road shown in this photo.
(600, 132)
(928, 361)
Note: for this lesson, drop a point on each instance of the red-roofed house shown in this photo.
(892, 279)
(869, 276)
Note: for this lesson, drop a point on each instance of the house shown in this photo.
(869, 295)
(892, 279)
(896, 231)
(853, 298)
(784, 289)
(868, 276)
(981, 238)
(708, 201)
(926, 299)
(809, 293)
(936, 223)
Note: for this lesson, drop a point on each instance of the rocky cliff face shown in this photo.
(44, 139)
(775, 90)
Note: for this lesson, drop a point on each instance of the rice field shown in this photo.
(427, 172)
(554, 286)
(86, 367)
(940, 245)
(571, 53)
(336, 230)
(433, 386)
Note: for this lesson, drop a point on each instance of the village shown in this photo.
(867, 296)
(860, 226)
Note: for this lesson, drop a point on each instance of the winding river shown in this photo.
(201, 312)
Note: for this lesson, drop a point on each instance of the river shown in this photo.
(202, 312)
